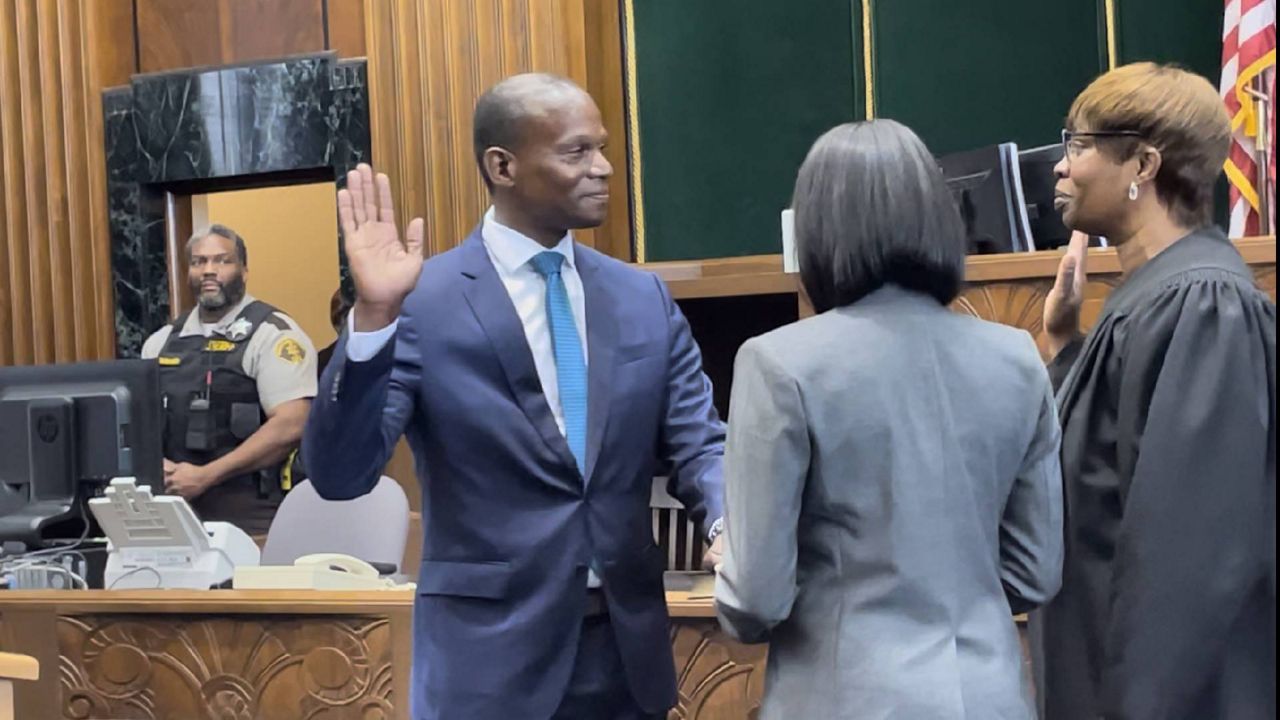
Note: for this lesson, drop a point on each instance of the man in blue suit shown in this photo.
(541, 385)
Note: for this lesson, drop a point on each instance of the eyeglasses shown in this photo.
(1072, 148)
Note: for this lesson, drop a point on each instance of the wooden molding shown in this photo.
(221, 602)
(725, 277)
(256, 602)
(762, 274)
(178, 228)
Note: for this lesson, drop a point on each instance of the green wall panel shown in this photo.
(731, 94)
(1186, 32)
(979, 72)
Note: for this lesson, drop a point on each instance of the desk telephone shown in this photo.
(339, 563)
(320, 571)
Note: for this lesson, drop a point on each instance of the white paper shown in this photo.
(790, 263)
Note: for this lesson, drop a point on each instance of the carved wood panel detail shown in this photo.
(717, 678)
(1265, 277)
(229, 668)
(1020, 303)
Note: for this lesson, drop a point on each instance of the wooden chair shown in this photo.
(14, 667)
(675, 534)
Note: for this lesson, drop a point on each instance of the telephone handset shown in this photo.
(338, 562)
(319, 571)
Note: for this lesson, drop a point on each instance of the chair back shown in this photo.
(676, 535)
(373, 527)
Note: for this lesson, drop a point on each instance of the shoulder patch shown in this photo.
(277, 319)
(289, 350)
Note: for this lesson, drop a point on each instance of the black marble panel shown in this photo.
(276, 115)
(211, 129)
(136, 221)
(180, 124)
(348, 118)
(352, 142)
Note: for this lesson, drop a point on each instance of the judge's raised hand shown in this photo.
(384, 269)
(1062, 305)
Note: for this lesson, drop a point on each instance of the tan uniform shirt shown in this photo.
(282, 362)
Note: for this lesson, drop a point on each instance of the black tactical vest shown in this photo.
(211, 406)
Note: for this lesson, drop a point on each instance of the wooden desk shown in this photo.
(284, 655)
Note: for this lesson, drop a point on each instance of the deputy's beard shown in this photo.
(228, 294)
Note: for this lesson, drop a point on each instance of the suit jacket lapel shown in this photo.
(602, 339)
(491, 304)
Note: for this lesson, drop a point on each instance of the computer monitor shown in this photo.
(1038, 181)
(987, 190)
(68, 430)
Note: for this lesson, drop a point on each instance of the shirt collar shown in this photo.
(513, 250)
(193, 325)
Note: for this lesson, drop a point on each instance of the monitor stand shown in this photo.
(51, 487)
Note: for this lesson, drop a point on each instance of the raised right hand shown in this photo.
(384, 269)
(1062, 304)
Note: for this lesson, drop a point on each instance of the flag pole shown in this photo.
(1262, 145)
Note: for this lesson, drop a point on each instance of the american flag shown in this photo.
(1249, 61)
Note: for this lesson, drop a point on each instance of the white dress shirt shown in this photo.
(510, 252)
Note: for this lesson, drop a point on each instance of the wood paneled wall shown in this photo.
(346, 27)
(56, 303)
(185, 33)
(430, 61)
(56, 56)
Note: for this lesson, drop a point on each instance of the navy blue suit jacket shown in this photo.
(509, 524)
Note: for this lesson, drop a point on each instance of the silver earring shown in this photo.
(1133, 191)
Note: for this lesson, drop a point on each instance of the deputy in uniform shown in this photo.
(237, 377)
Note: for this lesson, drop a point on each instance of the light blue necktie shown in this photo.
(571, 368)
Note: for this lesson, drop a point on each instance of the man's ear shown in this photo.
(500, 166)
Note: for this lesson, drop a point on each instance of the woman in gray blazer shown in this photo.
(893, 492)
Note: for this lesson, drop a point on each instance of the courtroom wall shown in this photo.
(56, 58)
(728, 96)
(710, 106)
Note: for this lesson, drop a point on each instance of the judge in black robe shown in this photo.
(1168, 602)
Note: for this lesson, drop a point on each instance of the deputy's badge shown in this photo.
(239, 330)
(290, 351)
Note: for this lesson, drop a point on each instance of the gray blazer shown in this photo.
(893, 497)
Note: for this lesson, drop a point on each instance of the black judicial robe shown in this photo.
(1168, 412)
